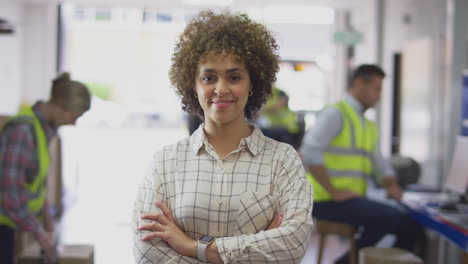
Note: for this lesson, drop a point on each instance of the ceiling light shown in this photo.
(296, 14)
(208, 2)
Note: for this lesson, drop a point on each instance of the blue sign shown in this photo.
(464, 121)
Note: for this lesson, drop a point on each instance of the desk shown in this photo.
(431, 218)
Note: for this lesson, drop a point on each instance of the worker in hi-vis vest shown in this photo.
(277, 121)
(340, 153)
(24, 162)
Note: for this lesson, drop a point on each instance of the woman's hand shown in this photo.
(163, 226)
(276, 222)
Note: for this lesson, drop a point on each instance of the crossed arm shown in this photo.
(164, 227)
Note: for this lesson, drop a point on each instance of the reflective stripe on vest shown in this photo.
(37, 187)
(348, 158)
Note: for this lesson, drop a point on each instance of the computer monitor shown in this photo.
(457, 178)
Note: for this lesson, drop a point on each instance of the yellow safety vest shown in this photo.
(285, 118)
(348, 157)
(38, 187)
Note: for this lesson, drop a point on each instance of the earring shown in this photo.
(195, 94)
(250, 93)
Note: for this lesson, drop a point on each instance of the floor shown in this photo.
(100, 187)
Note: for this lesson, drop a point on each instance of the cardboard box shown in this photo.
(68, 254)
(22, 241)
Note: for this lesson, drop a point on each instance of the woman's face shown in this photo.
(223, 86)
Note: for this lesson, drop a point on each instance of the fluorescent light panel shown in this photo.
(296, 14)
(208, 2)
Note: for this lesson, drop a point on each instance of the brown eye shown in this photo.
(207, 78)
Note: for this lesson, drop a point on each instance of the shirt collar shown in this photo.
(255, 142)
(354, 103)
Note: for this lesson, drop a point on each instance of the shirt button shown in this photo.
(220, 201)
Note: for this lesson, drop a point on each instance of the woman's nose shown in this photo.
(221, 88)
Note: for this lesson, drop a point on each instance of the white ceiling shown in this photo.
(337, 4)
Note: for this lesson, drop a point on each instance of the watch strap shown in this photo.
(201, 251)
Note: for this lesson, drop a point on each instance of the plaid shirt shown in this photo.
(19, 165)
(234, 200)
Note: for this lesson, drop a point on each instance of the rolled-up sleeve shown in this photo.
(288, 243)
(327, 126)
(382, 166)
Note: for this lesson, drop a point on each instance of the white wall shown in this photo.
(10, 62)
(27, 63)
(364, 20)
(39, 50)
(406, 22)
(303, 42)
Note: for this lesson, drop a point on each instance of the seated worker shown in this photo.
(24, 162)
(227, 193)
(277, 121)
(340, 153)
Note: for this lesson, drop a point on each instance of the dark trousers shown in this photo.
(375, 219)
(7, 244)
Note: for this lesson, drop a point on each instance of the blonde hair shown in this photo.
(69, 94)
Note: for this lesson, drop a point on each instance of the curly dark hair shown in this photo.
(225, 33)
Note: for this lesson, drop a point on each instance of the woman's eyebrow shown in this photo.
(234, 70)
(209, 70)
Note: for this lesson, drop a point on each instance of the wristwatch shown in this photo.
(203, 243)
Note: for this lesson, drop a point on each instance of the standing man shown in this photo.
(24, 162)
(340, 153)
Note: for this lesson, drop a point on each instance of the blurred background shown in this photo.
(122, 50)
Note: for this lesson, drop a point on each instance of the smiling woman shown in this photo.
(226, 194)
(223, 87)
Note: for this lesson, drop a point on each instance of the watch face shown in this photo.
(206, 238)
